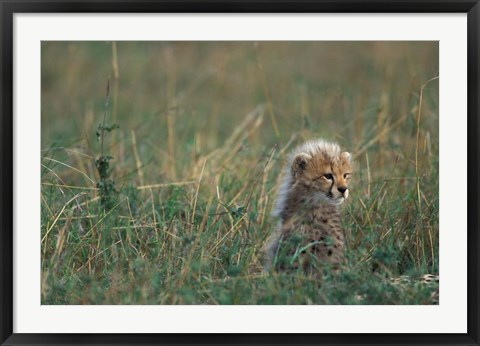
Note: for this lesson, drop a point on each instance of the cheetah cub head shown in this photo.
(322, 176)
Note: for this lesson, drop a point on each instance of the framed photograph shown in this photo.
(239, 172)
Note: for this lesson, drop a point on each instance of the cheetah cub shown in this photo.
(314, 184)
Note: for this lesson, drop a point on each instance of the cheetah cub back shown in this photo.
(314, 184)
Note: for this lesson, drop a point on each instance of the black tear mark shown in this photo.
(331, 186)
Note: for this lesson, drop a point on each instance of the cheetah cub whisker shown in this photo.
(314, 184)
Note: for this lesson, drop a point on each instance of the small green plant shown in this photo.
(106, 185)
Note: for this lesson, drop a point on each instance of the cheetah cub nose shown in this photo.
(342, 189)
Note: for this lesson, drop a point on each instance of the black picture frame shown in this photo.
(9, 8)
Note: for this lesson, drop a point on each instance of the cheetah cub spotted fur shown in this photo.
(314, 184)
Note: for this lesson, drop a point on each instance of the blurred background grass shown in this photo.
(204, 129)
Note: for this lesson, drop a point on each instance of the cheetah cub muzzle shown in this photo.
(314, 184)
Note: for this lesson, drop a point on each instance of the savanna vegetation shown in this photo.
(159, 189)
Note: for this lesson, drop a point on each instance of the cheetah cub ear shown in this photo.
(346, 156)
(299, 164)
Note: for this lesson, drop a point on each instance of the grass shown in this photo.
(204, 131)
